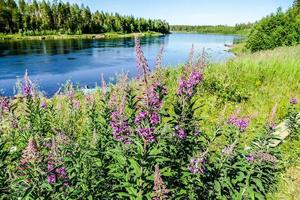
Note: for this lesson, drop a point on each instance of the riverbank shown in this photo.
(14, 37)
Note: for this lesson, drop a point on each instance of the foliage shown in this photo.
(275, 30)
(151, 138)
(241, 29)
(44, 18)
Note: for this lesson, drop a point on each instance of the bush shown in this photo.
(279, 29)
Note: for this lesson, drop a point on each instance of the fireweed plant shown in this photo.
(138, 139)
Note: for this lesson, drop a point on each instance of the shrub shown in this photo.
(279, 29)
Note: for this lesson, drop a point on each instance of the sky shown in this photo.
(191, 12)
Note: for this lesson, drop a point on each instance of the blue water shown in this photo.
(51, 63)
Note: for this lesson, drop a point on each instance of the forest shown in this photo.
(44, 17)
(222, 29)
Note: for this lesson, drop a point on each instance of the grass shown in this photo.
(81, 36)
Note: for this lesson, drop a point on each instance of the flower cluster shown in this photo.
(55, 174)
(142, 61)
(180, 133)
(187, 86)
(30, 154)
(27, 87)
(155, 95)
(4, 104)
(160, 189)
(262, 157)
(148, 118)
(43, 104)
(147, 133)
(196, 165)
(119, 124)
(228, 150)
(294, 101)
(240, 123)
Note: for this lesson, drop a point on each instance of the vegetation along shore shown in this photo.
(113, 35)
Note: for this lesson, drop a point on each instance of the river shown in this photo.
(51, 63)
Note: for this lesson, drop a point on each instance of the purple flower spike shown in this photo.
(196, 165)
(51, 178)
(43, 104)
(4, 104)
(181, 134)
(294, 101)
(240, 123)
(250, 158)
(154, 119)
(140, 117)
(187, 86)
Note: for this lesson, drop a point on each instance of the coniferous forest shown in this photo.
(44, 17)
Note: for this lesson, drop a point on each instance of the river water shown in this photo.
(51, 63)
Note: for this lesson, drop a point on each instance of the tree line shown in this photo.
(223, 29)
(278, 29)
(60, 17)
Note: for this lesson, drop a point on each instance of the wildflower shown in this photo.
(120, 127)
(147, 134)
(187, 86)
(27, 87)
(250, 158)
(51, 178)
(89, 99)
(201, 63)
(228, 150)
(154, 119)
(43, 104)
(160, 189)
(30, 154)
(154, 96)
(14, 123)
(142, 61)
(240, 123)
(140, 117)
(159, 57)
(265, 157)
(4, 104)
(76, 104)
(180, 133)
(55, 174)
(262, 157)
(62, 173)
(294, 101)
(196, 165)
(191, 57)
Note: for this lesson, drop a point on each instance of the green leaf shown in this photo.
(259, 184)
(217, 186)
(251, 193)
(136, 167)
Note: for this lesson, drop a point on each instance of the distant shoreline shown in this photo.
(19, 37)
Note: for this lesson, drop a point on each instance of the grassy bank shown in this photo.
(82, 36)
(192, 132)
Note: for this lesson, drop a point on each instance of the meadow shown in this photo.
(198, 131)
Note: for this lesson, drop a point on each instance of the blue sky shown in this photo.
(192, 12)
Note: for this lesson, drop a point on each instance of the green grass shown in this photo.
(263, 79)
(81, 36)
